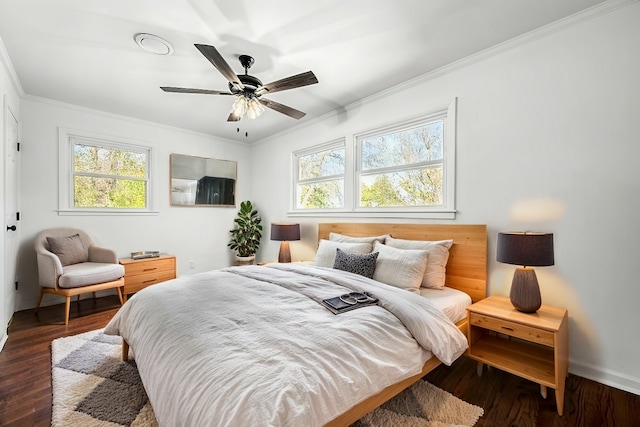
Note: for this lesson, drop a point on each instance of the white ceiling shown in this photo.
(83, 52)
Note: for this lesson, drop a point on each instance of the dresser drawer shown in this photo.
(140, 281)
(150, 266)
(512, 329)
(138, 274)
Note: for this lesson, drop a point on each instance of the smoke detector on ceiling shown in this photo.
(153, 44)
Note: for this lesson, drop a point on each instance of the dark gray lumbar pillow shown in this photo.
(362, 264)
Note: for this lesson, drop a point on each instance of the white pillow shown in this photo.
(337, 237)
(402, 268)
(435, 274)
(326, 254)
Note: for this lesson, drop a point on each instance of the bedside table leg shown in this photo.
(560, 400)
(125, 350)
(543, 391)
(479, 368)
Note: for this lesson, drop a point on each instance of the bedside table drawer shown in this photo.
(138, 282)
(150, 266)
(512, 329)
(140, 273)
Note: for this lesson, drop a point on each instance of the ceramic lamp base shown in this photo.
(525, 292)
(285, 254)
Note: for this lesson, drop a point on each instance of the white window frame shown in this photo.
(352, 175)
(337, 143)
(67, 138)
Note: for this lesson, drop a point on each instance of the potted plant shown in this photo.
(245, 237)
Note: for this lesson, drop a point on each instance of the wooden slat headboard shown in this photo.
(467, 265)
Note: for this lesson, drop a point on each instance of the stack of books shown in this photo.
(145, 254)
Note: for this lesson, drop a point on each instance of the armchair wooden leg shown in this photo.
(120, 295)
(39, 299)
(67, 306)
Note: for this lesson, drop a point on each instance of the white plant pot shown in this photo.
(245, 260)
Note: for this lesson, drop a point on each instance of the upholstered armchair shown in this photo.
(69, 264)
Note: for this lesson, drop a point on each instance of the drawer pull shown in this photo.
(150, 269)
(507, 328)
(149, 281)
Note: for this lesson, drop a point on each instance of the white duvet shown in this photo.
(252, 346)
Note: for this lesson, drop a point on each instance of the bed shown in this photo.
(253, 345)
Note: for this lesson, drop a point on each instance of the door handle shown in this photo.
(12, 228)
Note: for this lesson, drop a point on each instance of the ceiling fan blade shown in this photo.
(292, 82)
(233, 117)
(291, 112)
(218, 61)
(187, 90)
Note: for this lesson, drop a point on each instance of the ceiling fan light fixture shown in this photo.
(239, 107)
(248, 106)
(254, 108)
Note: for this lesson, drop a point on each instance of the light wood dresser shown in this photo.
(534, 346)
(140, 273)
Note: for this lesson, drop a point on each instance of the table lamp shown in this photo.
(527, 250)
(285, 233)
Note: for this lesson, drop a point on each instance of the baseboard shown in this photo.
(606, 376)
(3, 339)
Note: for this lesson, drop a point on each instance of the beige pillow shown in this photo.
(402, 268)
(435, 274)
(70, 249)
(337, 237)
(326, 254)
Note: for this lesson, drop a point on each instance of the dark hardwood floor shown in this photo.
(25, 379)
(511, 401)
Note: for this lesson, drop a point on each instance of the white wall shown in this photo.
(191, 233)
(548, 140)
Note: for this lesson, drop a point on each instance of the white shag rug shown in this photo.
(93, 387)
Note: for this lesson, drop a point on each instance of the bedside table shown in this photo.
(534, 346)
(140, 273)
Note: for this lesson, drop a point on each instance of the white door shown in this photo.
(11, 229)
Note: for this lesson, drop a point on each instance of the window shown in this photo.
(320, 177)
(402, 167)
(103, 175)
(404, 170)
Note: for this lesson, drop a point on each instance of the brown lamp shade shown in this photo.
(285, 232)
(526, 249)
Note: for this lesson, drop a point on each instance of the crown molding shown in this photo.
(585, 15)
(93, 111)
(11, 72)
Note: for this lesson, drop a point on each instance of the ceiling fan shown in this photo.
(249, 89)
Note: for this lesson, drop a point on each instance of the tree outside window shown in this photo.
(403, 168)
(109, 177)
(320, 183)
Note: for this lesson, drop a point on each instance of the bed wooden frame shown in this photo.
(466, 271)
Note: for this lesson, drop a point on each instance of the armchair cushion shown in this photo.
(70, 249)
(89, 273)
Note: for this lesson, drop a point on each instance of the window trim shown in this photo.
(352, 175)
(66, 140)
(336, 143)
